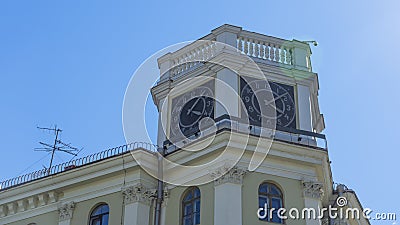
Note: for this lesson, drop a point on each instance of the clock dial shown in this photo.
(257, 92)
(188, 110)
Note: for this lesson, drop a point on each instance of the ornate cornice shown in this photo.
(66, 211)
(226, 175)
(313, 189)
(138, 193)
(28, 203)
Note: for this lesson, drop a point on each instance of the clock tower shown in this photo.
(279, 81)
(240, 126)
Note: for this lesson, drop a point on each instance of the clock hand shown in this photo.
(270, 101)
(197, 113)
(277, 109)
(191, 109)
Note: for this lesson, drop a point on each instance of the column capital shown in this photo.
(138, 193)
(313, 189)
(66, 211)
(226, 175)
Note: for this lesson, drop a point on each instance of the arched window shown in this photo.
(191, 207)
(99, 215)
(271, 196)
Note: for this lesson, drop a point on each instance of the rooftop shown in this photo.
(75, 163)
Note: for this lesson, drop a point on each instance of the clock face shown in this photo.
(284, 106)
(189, 109)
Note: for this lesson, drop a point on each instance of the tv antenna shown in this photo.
(58, 145)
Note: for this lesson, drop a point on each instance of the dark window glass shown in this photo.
(99, 215)
(271, 196)
(191, 207)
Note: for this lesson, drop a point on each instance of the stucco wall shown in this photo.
(83, 209)
(174, 212)
(292, 196)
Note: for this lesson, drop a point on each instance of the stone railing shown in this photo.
(264, 48)
(193, 55)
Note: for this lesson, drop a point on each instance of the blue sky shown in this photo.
(69, 63)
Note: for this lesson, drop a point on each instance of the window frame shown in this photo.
(191, 202)
(99, 216)
(270, 196)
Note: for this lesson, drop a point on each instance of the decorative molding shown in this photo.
(42, 199)
(313, 189)
(28, 203)
(138, 193)
(165, 197)
(52, 197)
(11, 208)
(21, 205)
(3, 212)
(66, 211)
(32, 202)
(226, 174)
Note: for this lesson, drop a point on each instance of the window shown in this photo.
(191, 207)
(99, 215)
(270, 195)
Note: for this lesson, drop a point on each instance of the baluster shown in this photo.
(209, 52)
(180, 64)
(246, 46)
(289, 56)
(268, 51)
(174, 68)
(251, 47)
(281, 60)
(192, 58)
(199, 55)
(205, 53)
(276, 53)
(185, 64)
(283, 49)
(272, 52)
(262, 50)
(256, 49)
(214, 48)
(196, 55)
(240, 45)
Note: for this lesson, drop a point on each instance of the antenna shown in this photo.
(58, 145)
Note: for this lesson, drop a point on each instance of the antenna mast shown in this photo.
(58, 145)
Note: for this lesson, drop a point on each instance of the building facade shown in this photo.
(117, 186)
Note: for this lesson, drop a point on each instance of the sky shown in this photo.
(70, 62)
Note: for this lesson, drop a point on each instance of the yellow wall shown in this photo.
(292, 196)
(83, 209)
(292, 192)
(174, 211)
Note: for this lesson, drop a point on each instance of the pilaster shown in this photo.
(228, 189)
(137, 200)
(312, 193)
(65, 212)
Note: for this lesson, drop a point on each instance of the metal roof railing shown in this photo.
(235, 124)
(75, 163)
